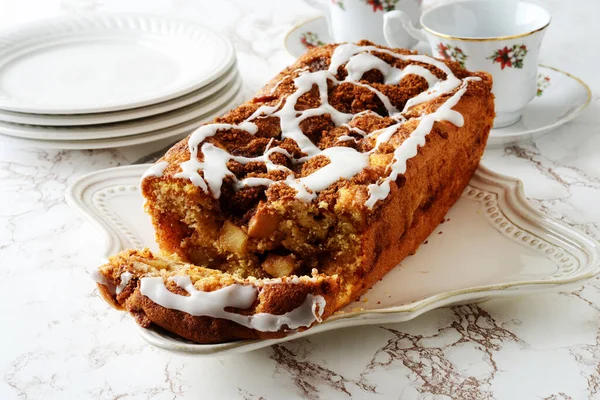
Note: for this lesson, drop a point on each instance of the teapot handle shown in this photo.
(393, 18)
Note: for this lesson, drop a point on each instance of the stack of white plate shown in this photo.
(112, 80)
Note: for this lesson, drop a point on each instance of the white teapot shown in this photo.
(355, 20)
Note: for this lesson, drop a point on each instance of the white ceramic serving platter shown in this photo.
(561, 96)
(125, 128)
(173, 132)
(125, 115)
(492, 244)
(110, 62)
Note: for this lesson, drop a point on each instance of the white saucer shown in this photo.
(124, 115)
(123, 129)
(307, 34)
(102, 63)
(494, 244)
(562, 97)
(173, 132)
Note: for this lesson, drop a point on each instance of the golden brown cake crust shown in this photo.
(238, 204)
(254, 233)
(275, 297)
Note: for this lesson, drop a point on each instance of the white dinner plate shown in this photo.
(124, 115)
(173, 132)
(493, 243)
(110, 62)
(125, 128)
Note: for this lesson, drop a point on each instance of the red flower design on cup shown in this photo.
(310, 39)
(376, 4)
(454, 53)
(503, 57)
(511, 57)
(543, 82)
(443, 51)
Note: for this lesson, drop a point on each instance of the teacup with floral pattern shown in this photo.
(499, 37)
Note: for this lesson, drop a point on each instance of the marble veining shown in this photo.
(59, 340)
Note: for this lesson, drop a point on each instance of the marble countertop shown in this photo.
(59, 340)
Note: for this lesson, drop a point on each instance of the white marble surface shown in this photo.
(59, 340)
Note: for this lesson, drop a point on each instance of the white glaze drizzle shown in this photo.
(346, 138)
(213, 304)
(363, 62)
(345, 162)
(274, 88)
(382, 97)
(112, 288)
(285, 78)
(409, 148)
(125, 278)
(156, 170)
(99, 278)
